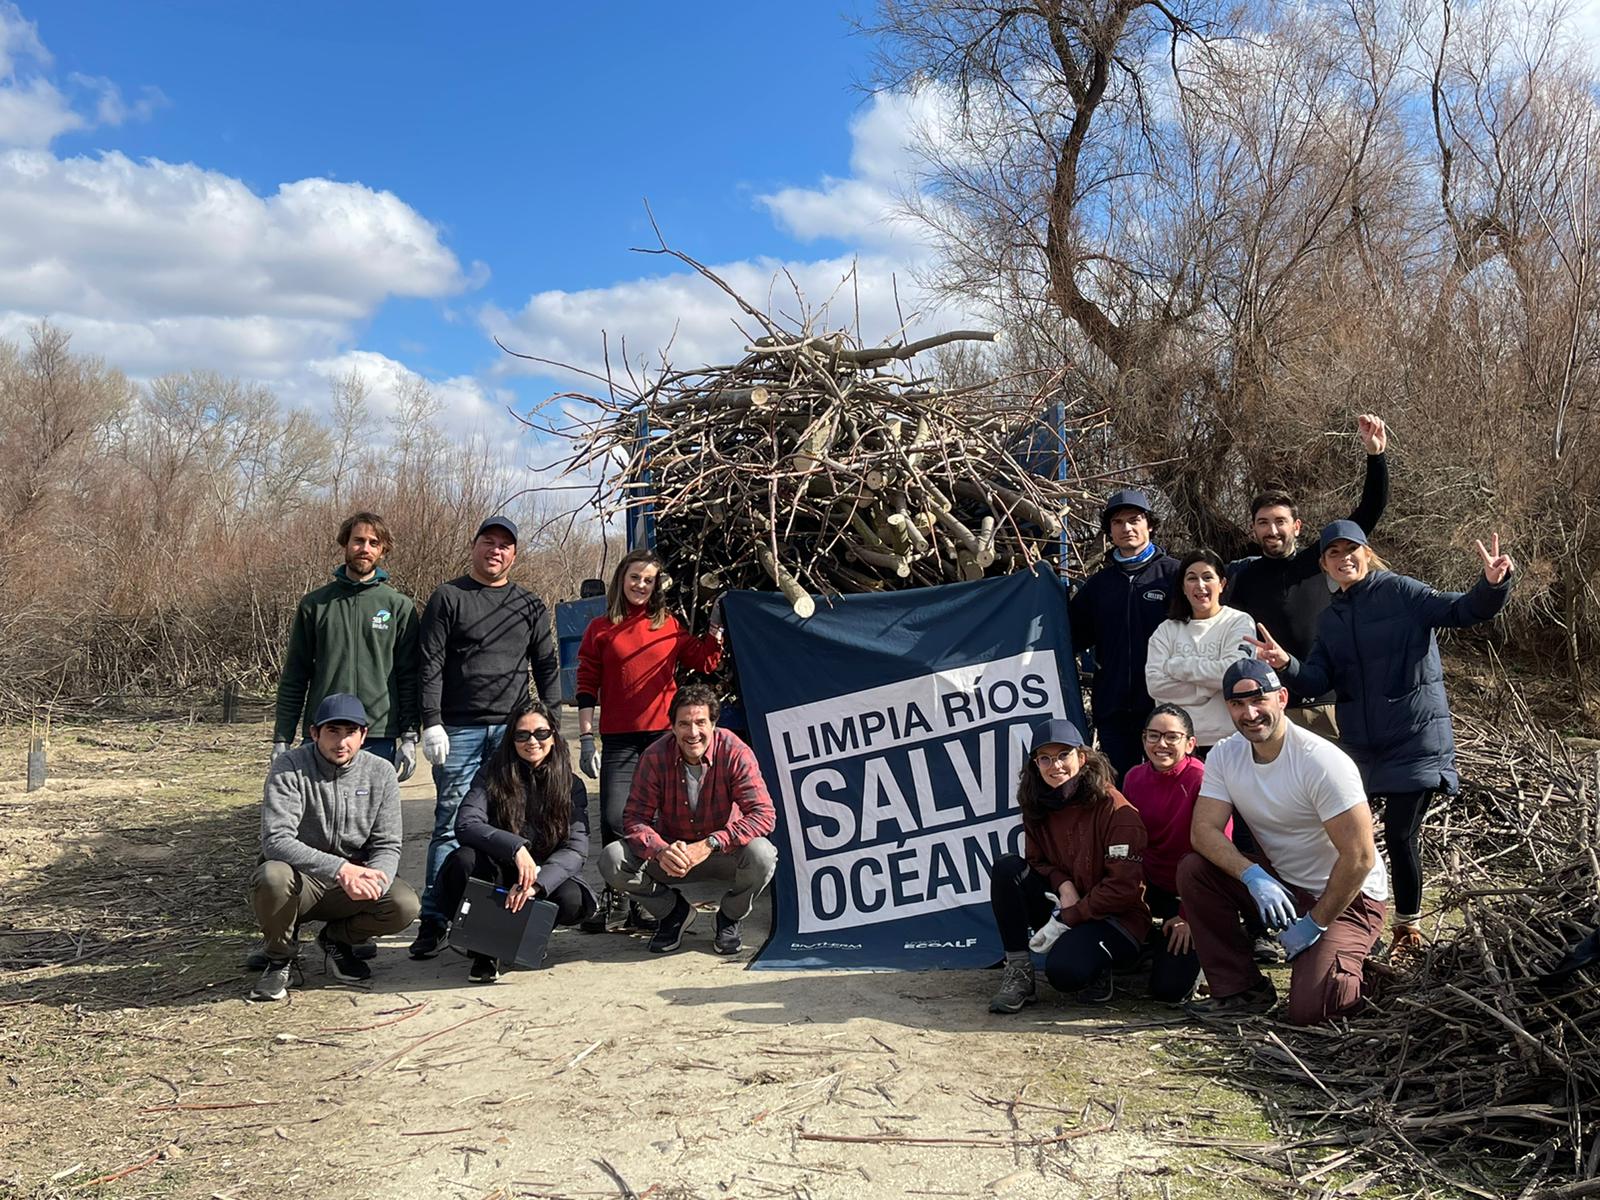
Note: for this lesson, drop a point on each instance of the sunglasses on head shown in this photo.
(522, 736)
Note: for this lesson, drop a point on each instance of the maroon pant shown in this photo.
(1324, 980)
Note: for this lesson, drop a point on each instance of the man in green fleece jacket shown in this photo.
(330, 849)
(355, 634)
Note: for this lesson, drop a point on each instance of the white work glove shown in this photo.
(587, 759)
(407, 752)
(279, 748)
(436, 744)
(1041, 942)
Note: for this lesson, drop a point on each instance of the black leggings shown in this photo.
(619, 759)
(1022, 902)
(1172, 975)
(1403, 814)
(572, 903)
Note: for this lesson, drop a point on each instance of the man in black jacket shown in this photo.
(480, 634)
(1284, 589)
(1113, 613)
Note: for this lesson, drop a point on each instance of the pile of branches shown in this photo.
(1478, 1064)
(815, 465)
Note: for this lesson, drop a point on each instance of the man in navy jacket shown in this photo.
(1113, 613)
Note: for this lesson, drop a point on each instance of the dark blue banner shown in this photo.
(891, 728)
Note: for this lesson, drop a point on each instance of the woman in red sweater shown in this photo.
(1163, 789)
(627, 664)
(1083, 852)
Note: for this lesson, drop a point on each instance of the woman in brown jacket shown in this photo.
(1083, 858)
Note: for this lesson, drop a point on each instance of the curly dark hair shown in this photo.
(1097, 778)
(695, 693)
(531, 802)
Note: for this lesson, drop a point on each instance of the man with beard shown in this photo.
(1316, 877)
(1284, 589)
(355, 634)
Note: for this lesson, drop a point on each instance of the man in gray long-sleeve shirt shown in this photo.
(330, 849)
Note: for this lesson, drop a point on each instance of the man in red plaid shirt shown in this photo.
(698, 810)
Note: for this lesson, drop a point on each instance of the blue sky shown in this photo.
(286, 192)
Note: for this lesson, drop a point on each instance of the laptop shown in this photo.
(484, 926)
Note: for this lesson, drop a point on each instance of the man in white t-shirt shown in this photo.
(1317, 879)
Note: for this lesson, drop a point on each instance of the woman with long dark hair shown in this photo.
(1083, 854)
(1191, 650)
(524, 824)
(627, 665)
(1377, 650)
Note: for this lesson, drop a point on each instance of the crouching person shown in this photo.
(524, 823)
(330, 849)
(698, 810)
(1316, 878)
(1083, 853)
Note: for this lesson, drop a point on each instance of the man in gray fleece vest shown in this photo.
(330, 849)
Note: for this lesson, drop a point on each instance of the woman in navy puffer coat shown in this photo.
(1376, 648)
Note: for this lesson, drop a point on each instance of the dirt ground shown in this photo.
(132, 1065)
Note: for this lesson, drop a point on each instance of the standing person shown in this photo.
(1284, 589)
(1163, 788)
(1114, 613)
(524, 824)
(627, 664)
(698, 810)
(330, 849)
(1198, 641)
(1315, 876)
(355, 634)
(1377, 649)
(480, 635)
(1083, 851)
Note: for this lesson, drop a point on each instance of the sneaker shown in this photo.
(670, 929)
(597, 921)
(1016, 989)
(727, 939)
(257, 959)
(274, 981)
(366, 951)
(638, 918)
(1266, 950)
(1253, 1001)
(484, 969)
(342, 960)
(1097, 991)
(430, 939)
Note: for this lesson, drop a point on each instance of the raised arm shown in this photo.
(1374, 436)
(1457, 610)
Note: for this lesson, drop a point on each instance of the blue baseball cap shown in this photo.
(1126, 498)
(498, 521)
(1335, 531)
(1248, 670)
(1057, 731)
(341, 706)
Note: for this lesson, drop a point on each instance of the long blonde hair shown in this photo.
(617, 602)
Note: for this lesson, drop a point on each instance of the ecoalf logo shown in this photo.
(959, 944)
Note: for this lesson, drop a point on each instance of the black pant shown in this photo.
(619, 759)
(1403, 814)
(1172, 975)
(572, 905)
(1022, 902)
(1121, 737)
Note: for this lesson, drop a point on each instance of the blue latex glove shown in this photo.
(1302, 935)
(1273, 900)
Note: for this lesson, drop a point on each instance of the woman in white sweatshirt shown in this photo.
(1190, 650)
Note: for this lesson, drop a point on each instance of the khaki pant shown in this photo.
(748, 869)
(1318, 718)
(282, 897)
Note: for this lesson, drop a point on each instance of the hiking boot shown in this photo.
(1266, 950)
(484, 969)
(670, 929)
(342, 960)
(727, 940)
(274, 981)
(596, 922)
(1253, 1001)
(1097, 990)
(430, 939)
(1016, 988)
(638, 918)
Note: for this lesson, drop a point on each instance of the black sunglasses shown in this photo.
(529, 735)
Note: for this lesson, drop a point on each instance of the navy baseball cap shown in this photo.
(341, 706)
(1335, 531)
(498, 521)
(1248, 670)
(1126, 498)
(1057, 731)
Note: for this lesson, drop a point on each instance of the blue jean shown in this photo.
(470, 746)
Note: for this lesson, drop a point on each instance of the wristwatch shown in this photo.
(714, 842)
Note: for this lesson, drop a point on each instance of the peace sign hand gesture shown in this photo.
(1268, 650)
(1496, 566)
